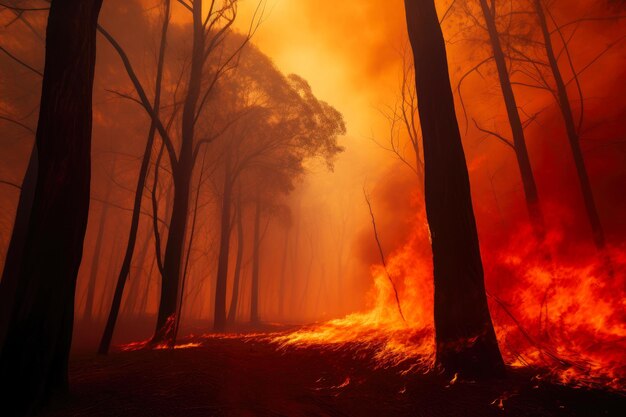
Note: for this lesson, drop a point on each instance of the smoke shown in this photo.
(351, 54)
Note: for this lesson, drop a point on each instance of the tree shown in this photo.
(105, 341)
(517, 129)
(209, 62)
(464, 334)
(279, 124)
(35, 351)
(565, 107)
(402, 122)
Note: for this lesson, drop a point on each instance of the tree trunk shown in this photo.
(519, 141)
(35, 352)
(219, 319)
(107, 335)
(232, 311)
(465, 338)
(572, 132)
(10, 273)
(254, 295)
(95, 260)
(182, 173)
(172, 259)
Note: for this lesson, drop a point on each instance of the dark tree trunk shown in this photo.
(34, 357)
(10, 273)
(465, 338)
(182, 173)
(232, 311)
(95, 261)
(172, 260)
(519, 141)
(572, 132)
(222, 266)
(107, 335)
(254, 295)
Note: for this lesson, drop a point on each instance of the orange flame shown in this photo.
(561, 313)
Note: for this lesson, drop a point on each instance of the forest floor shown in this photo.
(244, 376)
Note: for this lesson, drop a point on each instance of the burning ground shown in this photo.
(251, 375)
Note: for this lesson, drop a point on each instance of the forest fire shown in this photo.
(561, 315)
(312, 208)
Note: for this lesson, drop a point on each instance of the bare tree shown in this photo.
(402, 119)
(209, 62)
(465, 338)
(107, 335)
(35, 350)
(517, 128)
(567, 113)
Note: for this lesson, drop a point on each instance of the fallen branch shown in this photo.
(382, 255)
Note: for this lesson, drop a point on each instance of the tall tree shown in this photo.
(181, 175)
(278, 124)
(210, 60)
(105, 341)
(517, 129)
(465, 338)
(565, 107)
(35, 351)
(224, 251)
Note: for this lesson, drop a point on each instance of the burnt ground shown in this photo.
(250, 377)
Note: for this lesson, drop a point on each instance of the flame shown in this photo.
(568, 311)
(556, 307)
(559, 313)
(381, 331)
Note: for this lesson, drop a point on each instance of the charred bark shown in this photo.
(519, 141)
(572, 132)
(465, 338)
(35, 352)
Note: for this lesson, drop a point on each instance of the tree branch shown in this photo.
(382, 255)
(496, 135)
